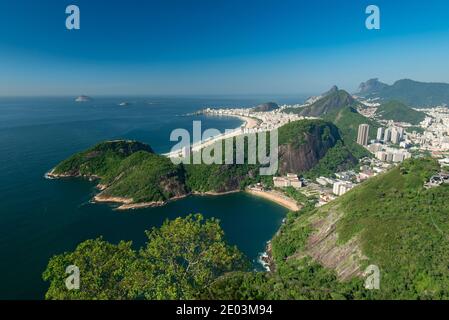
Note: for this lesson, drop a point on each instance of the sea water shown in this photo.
(40, 218)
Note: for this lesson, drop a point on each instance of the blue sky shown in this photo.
(217, 47)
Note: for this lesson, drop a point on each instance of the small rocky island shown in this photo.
(83, 99)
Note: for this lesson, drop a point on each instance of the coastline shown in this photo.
(276, 197)
(212, 193)
(128, 203)
(250, 123)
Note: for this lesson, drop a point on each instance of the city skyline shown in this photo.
(232, 47)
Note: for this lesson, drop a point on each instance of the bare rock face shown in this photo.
(314, 146)
(173, 186)
(322, 246)
(371, 86)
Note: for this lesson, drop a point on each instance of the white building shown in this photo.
(395, 136)
(341, 187)
(291, 180)
(380, 134)
(387, 135)
(362, 137)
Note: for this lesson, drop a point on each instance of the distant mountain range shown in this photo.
(340, 107)
(409, 92)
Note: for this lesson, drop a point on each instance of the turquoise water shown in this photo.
(40, 218)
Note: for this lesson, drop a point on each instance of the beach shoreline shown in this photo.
(129, 204)
(276, 197)
(249, 123)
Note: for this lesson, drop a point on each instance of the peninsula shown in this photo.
(131, 174)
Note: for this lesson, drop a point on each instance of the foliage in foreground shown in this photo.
(293, 280)
(180, 261)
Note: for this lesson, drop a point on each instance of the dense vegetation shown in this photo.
(320, 138)
(397, 111)
(130, 170)
(180, 261)
(399, 226)
(101, 159)
(403, 228)
(338, 158)
(292, 279)
(348, 120)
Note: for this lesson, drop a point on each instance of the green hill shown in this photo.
(319, 151)
(412, 93)
(390, 221)
(397, 111)
(332, 101)
(348, 120)
(129, 172)
(102, 158)
(126, 169)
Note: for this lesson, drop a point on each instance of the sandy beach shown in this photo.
(277, 197)
(250, 123)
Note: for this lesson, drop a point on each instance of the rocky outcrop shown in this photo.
(265, 107)
(371, 86)
(304, 153)
(346, 259)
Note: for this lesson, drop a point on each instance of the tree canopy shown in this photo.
(179, 261)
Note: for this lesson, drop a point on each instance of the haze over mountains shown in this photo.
(409, 92)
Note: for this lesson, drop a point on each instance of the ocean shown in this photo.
(40, 218)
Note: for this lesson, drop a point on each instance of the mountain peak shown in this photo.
(333, 100)
(372, 85)
(334, 89)
(410, 92)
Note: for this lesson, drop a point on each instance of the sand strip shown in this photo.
(277, 197)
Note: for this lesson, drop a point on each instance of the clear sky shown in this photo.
(147, 47)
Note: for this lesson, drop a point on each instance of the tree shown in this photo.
(104, 271)
(180, 261)
(183, 258)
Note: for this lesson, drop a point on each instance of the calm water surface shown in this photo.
(40, 218)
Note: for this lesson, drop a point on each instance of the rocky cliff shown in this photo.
(301, 151)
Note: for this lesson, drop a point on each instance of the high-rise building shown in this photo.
(395, 136)
(380, 134)
(401, 132)
(387, 135)
(362, 137)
